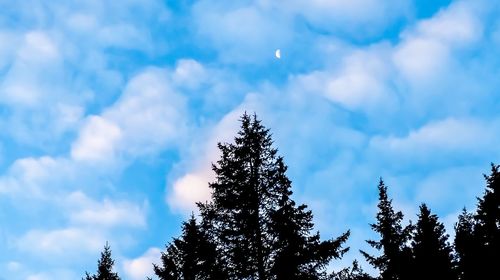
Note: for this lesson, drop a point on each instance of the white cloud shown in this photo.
(365, 16)
(425, 52)
(106, 213)
(192, 186)
(68, 242)
(189, 74)
(457, 25)
(246, 34)
(422, 59)
(97, 140)
(142, 267)
(445, 136)
(189, 189)
(148, 117)
(29, 177)
(359, 84)
(38, 46)
(23, 85)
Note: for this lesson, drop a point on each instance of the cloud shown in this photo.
(148, 117)
(425, 53)
(142, 267)
(189, 74)
(241, 33)
(353, 16)
(360, 84)
(448, 138)
(192, 185)
(106, 213)
(64, 242)
(97, 140)
(29, 177)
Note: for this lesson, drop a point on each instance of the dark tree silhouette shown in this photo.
(298, 253)
(433, 258)
(355, 272)
(395, 261)
(257, 227)
(466, 246)
(190, 257)
(104, 267)
(487, 227)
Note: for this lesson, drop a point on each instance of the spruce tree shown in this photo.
(432, 253)
(104, 267)
(395, 261)
(190, 257)
(466, 247)
(298, 253)
(257, 227)
(487, 226)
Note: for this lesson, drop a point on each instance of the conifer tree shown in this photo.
(432, 253)
(257, 227)
(190, 257)
(298, 253)
(104, 267)
(395, 261)
(487, 226)
(466, 247)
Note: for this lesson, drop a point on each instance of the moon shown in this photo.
(278, 54)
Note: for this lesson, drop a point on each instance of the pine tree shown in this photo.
(257, 227)
(298, 253)
(432, 253)
(190, 257)
(395, 261)
(487, 226)
(104, 267)
(466, 246)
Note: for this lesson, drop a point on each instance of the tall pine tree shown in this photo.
(298, 254)
(487, 227)
(104, 267)
(259, 231)
(395, 261)
(466, 247)
(190, 257)
(432, 253)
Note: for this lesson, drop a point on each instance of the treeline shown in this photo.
(253, 229)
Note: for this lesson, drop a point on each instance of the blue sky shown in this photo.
(110, 112)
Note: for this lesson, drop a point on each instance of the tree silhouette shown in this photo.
(298, 253)
(487, 226)
(466, 246)
(257, 227)
(190, 257)
(395, 261)
(355, 272)
(104, 267)
(432, 253)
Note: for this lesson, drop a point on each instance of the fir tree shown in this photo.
(395, 261)
(298, 253)
(487, 226)
(257, 227)
(466, 246)
(104, 267)
(190, 257)
(432, 253)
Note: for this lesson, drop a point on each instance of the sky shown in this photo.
(110, 112)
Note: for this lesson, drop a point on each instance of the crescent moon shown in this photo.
(278, 54)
